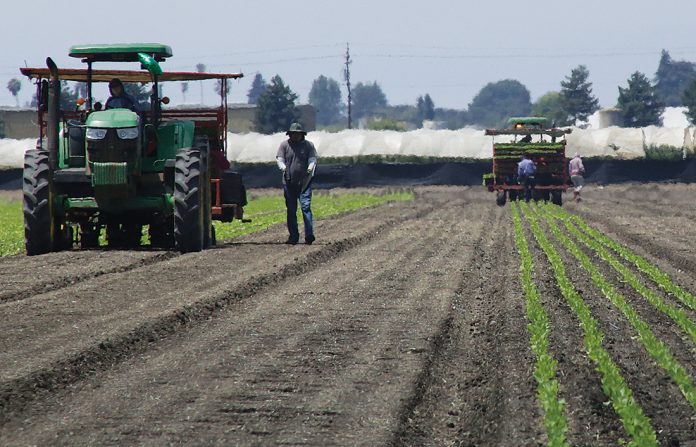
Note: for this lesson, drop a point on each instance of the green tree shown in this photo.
(672, 78)
(68, 96)
(258, 86)
(200, 68)
(139, 92)
(550, 106)
(276, 108)
(577, 99)
(218, 87)
(325, 96)
(367, 98)
(498, 101)
(453, 119)
(14, 85)
(426, 108)
(639, 102)
(184, 89)
(689, 100)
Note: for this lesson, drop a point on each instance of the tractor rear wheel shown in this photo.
(500, 198)
(39, 225)
(557, 198)
(188, 203)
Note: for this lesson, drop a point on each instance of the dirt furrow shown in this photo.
(23, 276)
(54, 339)
(328, 356)
(479, 376)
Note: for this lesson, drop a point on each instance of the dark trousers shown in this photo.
(293, 194)
(528, 183)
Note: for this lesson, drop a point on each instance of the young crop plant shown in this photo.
(634, 420)
(654, 273)
(656, 348)
(675, 313)
(539, 327)
(11, 227)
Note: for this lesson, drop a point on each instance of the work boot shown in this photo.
(291, 241)
(309, 239)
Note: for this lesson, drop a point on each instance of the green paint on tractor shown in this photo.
(118, 169)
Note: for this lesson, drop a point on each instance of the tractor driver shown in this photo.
(119, 99)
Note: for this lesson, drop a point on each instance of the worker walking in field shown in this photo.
(526, 170)
(297, 159)
(577, 171)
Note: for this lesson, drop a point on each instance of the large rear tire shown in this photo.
(39, 225)
(189, 234)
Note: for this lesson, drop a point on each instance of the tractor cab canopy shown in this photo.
(81, 75)
(529, 125)
(526, 123)
(120, 52)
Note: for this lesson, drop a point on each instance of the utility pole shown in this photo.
(346, 76)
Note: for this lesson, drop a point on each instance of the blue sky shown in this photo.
(449, 49)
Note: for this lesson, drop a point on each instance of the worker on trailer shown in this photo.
(119, 99)
(526, 171)
(297, 159)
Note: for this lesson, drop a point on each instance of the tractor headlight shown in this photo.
(128, 133)
(95, 134)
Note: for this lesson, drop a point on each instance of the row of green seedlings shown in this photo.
(656, 348)
(539, 327)
(600, 244)
(651, 271)
(635, 422)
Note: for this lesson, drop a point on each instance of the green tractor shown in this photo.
(120, 169)
(546, 148)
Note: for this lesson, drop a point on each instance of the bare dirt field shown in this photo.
(404, 324)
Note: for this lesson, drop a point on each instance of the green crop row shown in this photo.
(263, 211)
(675, 313)
(636, 424)
(656, 348)
(654, 273)
(539, 327)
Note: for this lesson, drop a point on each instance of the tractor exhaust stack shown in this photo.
(53, 118)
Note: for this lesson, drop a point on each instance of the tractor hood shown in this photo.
(113, 119)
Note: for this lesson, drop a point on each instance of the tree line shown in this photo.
(641, 101)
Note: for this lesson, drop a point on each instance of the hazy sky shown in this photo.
(449, 49)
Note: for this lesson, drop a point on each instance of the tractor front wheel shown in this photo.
(188, 204)
(39, 225)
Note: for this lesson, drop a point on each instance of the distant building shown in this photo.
(611, 116)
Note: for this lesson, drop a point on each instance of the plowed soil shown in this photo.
(403, 324)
